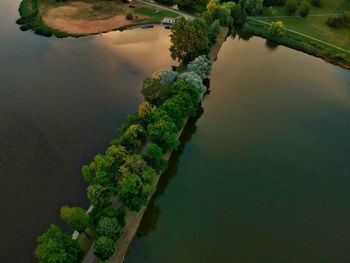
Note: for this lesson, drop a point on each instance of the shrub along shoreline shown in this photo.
(31, 19)
(299, 43)
(123, 179)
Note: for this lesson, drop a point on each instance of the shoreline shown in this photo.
(313, 49)
(35, 17)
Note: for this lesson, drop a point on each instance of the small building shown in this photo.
(168, 21)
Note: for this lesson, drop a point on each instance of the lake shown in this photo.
(264, 173)
(61, 101)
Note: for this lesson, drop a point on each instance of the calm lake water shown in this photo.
(264, 174)
(61, 101)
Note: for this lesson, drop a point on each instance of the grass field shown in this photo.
(316, 26)
(151, 12)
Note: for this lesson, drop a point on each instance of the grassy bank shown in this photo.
(301, 43)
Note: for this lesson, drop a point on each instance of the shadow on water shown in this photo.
(151, 216)
(246, 36)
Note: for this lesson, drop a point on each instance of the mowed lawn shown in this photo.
(316, 26)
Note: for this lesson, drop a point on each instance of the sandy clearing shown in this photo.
(58, 18)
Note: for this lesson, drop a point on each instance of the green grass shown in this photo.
(193, 9)
(154, 13)
(330, 7)
(301, 43)
(316, 26)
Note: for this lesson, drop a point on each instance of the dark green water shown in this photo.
(264, 174)
(61, 101)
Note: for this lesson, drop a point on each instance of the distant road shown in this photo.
(154, 4)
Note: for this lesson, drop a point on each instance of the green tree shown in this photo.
(277, 29)
(134, 163)
(238, 14)
(291, 6)
(104, 247)
(154, 91)
(181, 87)
(212, 4)
(304, 9)
(270, 11)
(132, 137)
(253, 7)
(145, 110)
(163, 133)
(98, 212)
(189, 39)
(154, 156)
(76, 218)
(109, 227)
(98, 195)
(119, 154)
(131, 191)
(223, 15)
(56, 247)
(100, 170)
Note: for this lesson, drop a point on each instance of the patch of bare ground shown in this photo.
(80, 18)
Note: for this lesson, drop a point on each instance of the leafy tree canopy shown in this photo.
(189, 39)
(75, 217)
(57, 247)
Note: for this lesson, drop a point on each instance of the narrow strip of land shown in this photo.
(301, 34)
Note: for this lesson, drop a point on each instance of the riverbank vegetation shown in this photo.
(123, 178)
(320, 28)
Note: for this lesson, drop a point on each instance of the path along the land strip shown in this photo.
(301, 34)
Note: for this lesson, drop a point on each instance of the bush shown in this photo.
(270, 11)
(291, 6)
(277, 29)
(253, 7)
(132, 191)
(238, 14)
(196, 81)
(336, 21)
(177, 108)
(129, 16)
(304, 9)
(223, 15)
(55, 246)
(181, 87)
(212, 4)
(154, 156)
(167, 77)
(104, 247)
(201, 66)
(132, 137)
(98, 195)
(154, 91)
(109, 227)
(317, 3)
